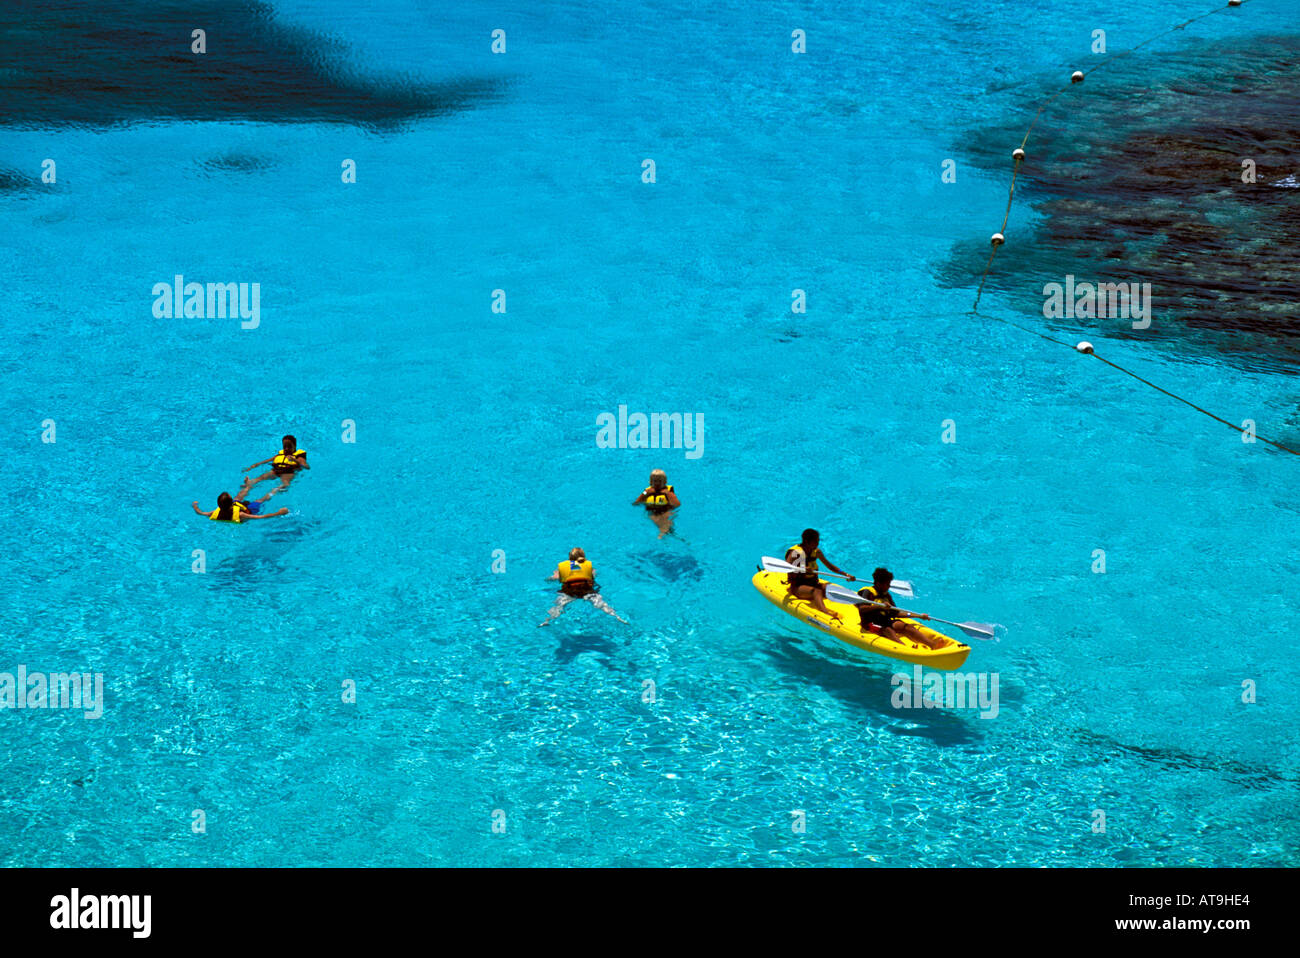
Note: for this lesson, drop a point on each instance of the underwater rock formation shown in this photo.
(130, 61)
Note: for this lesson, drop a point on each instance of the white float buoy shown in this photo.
(1076, 76)
(998, 239)
(1084, 347)
(1018, 155)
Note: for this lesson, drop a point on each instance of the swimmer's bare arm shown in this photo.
(196, 508)
(302, 461)
(553, 576)
(673, 500)
(256, 464)
(834, 568)
(639, 499)
(269, 515)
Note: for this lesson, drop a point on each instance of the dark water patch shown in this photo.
(12, 182)
(130, 61)
(574, 644)
(245, 574)
(669, 566)
(1175, 760)
(235, 163)
(1137, 178)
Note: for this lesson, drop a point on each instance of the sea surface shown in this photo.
(455, 459)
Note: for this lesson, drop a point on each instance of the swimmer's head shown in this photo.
(811, 537)
(658, 478)
(290, 443)
(576, 555)
(225, 506)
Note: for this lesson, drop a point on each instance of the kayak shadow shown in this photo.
(866, 687)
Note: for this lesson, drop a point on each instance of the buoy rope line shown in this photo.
(998, 238)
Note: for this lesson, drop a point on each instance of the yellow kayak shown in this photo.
(849, 629)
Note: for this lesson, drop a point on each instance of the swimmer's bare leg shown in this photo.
(664, 521)
(284, 484)
(250, 483)
(561, 601)
(595, 599)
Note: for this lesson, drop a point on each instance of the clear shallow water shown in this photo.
(476, 432)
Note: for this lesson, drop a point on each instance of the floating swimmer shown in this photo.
(230, 509)
(659, 501)
(285, 464)
(577, 581)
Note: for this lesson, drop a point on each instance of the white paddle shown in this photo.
(771, 564)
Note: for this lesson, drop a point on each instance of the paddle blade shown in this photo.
(837, 593)
(977, 630)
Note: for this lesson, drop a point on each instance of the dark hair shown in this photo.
(882, 573)
(810, 534)
(225, 506)
(292, 439)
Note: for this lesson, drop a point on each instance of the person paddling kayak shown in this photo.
(805, 584)
(883, 621)
(659, 500)
(577, 581)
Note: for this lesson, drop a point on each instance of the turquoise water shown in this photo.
(475, 432)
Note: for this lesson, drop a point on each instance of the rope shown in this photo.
(1231, 425)
(1048, 102)
(1019, 158)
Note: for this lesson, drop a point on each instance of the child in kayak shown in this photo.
(884, 622)
(659, 501)
(234, 510)
(805, 584)
(577, 581)
(285, 464)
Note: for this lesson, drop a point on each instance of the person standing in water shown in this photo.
(805, 584)
(659, 501)
(577, 581)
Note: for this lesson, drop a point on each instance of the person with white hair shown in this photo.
(659, 500)
(577, 581)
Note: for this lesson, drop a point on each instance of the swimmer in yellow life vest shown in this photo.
(234, 510)
(659, 501)
(285, 464)
(886, 618)
(577, 581)
(805, 583)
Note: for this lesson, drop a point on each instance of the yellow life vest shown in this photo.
(236, 514)
(576, 574)
(809, 561)
(283, 462)
(657, 498)
(870, 593)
